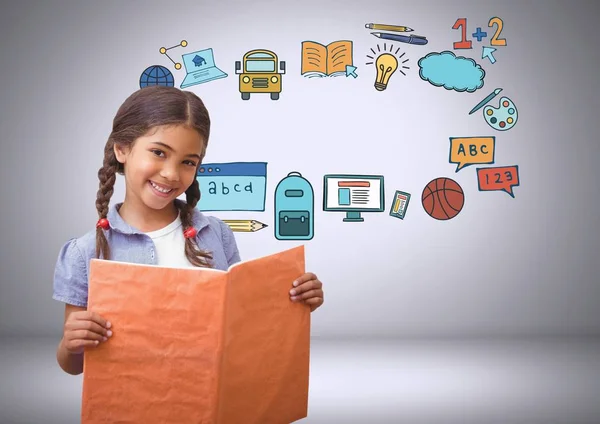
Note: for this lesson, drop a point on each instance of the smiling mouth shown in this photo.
(160, 189)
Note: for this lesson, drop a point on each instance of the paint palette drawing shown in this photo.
(503, 117)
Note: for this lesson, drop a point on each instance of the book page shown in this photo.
(314, 57)
(339, 54)
(264, 374)
(161, 364)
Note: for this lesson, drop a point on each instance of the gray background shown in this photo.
(526, 265)
(491, 313)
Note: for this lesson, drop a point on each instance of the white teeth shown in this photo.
(162, 190)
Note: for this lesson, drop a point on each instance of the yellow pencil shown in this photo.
(244, 225)
(384, 27)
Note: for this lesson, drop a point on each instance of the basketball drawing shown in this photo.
(443, 198)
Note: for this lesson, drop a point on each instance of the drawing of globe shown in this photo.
(156, 75)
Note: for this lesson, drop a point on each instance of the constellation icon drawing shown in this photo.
(164, 50)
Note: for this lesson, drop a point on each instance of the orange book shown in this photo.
(330, 60)
(197, 345)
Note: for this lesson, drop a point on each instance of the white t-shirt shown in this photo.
(170, 245)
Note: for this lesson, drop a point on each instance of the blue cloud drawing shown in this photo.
(452, 72)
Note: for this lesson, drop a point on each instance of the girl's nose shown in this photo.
(169, 173)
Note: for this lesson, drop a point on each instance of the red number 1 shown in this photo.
(463, 43)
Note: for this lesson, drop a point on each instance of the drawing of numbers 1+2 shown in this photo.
(464, 43)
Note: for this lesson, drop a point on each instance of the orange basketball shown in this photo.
(443, 198)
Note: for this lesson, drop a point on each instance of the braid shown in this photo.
(194, 254)
(107, 176)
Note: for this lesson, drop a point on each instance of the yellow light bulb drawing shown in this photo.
(386, 65)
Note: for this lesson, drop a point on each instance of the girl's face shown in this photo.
(161, 165)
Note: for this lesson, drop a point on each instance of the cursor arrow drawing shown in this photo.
(350, 71)
(489, 53)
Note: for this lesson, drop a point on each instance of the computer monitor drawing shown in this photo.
(353, 194)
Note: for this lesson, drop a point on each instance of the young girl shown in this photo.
(158, 141)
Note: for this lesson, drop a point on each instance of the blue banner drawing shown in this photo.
(232, 186)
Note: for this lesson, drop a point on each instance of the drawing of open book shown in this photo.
(197, 345)
(332, 60)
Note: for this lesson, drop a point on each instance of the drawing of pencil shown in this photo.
(244, 225)
(385, 27)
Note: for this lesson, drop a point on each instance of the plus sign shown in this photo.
(479, 35)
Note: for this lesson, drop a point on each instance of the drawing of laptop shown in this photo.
(200, 67)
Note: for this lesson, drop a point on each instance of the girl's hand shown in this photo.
(308, 289)
(83, 329)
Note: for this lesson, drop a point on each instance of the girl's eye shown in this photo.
(159, 152)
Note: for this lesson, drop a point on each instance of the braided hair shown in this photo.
(143, 110)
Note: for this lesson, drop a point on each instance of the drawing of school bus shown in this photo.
(258, 73)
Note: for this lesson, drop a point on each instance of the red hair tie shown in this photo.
(102, 223)
(190, 232)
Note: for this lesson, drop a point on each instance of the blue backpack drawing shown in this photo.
(294, 208)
